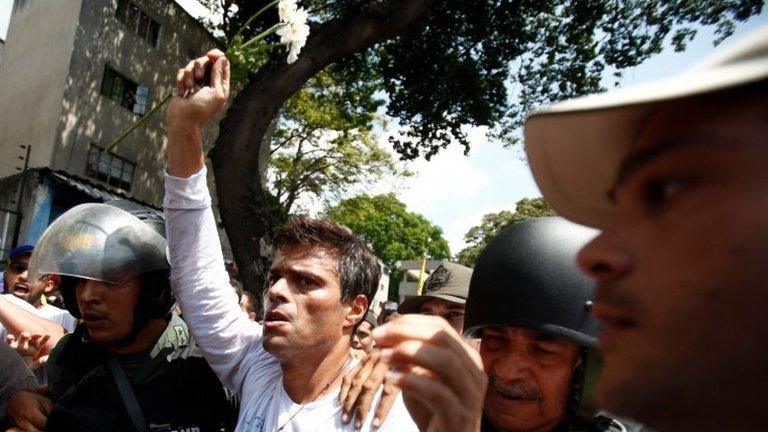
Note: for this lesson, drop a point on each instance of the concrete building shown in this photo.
(77, 73)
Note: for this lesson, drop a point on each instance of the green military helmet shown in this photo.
(527, 277)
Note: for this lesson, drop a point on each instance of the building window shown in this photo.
(138, 21)
(124, 91)
(110, 168)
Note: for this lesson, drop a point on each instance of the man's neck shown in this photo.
(306, 378)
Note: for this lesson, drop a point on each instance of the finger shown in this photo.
(35, 420)
(359, 382)
(189, 79)
(10, 340)
(215, 54)
(225, 76)
(346, 381)
(180, 82)
(388, 396)
(368, 393)
(433, 394)
(41, 362)
(198, 68)
(412, 327)
(461, 374)
(44, 348)
(46, 405)
(24, 341)
(220, 77)
(42, 341)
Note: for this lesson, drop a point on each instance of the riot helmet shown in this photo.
(527, 277)
(110, 242)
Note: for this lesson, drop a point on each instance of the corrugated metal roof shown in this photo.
(93, 190)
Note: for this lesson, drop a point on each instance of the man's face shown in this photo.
(16, 283)
(530, 378)
(682, 269)
(363, 338)
(107, 309)
(450, 311)
(303, 308)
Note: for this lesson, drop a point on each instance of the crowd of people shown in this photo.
(652, 318)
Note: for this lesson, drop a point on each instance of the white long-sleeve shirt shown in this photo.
(229, 340)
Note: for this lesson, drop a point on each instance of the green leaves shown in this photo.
(393, 232)
(246, 59)
(478, 236)
(324, 145)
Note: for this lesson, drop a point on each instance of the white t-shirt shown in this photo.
(61, 316)
(229, 340)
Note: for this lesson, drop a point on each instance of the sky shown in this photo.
(454, 191)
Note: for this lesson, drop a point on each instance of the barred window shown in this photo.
(110, 168)
(138, 21)
(124, 91)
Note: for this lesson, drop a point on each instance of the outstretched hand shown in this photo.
(441, 375)
(32, 348)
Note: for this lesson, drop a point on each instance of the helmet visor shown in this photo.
(98, 242)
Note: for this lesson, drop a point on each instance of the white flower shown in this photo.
(286, 9)
(294, 34)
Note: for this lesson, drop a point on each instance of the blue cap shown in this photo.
(21, 250)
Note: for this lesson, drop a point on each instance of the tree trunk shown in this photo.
(242, 201)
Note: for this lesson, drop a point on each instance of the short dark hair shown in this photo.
(251, 302)
(358, 267)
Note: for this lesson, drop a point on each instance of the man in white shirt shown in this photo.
(287, 372)
(18, 287)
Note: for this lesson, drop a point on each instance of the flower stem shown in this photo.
(262, 35)
(140, 121)
(249, 22)
(168, 96)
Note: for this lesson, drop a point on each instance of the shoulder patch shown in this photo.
(181, 334)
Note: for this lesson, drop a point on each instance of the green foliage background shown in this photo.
(478, 236)
(394, 233)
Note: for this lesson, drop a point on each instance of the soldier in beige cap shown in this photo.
(444, 294)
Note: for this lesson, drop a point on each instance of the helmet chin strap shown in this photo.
(577, 387)
(140, 321)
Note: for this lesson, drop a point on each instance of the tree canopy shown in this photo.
(394, 233)
(324, 145)
(478, 236)
(441, 65)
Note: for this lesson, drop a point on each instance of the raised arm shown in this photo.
(17, 319)
(229, 341)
